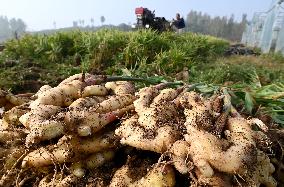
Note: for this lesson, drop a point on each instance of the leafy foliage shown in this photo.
(267, 99)
(142, 53)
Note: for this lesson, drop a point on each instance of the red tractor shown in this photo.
(146, 19)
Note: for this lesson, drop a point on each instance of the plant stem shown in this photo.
(136, 79)
(127, 78)
(193, 86)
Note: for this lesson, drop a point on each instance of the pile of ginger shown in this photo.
(89, 132)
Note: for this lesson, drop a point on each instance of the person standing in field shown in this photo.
(179, 24)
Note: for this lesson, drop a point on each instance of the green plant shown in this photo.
(267, 99)
(274, 57)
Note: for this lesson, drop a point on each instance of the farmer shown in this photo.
(178, 23)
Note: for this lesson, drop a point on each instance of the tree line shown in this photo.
(11, 28)
(81, 22)
(223, 27)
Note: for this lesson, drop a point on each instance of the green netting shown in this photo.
(254, 29)
(280, 39)
(257, 28)
(266, 36)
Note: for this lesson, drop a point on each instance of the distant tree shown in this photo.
(244, 19)
(5, 31)
(222, 31)
(75, 23)
(103, 19)
(11, 28)
(124, 27)
(192, 23)
(81, 22)
(230, 27)
(92, 22)
(17, 25)
(240, 27)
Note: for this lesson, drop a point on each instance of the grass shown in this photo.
(141, 53)
(47, 59)
(239, 69)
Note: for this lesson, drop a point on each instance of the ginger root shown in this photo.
(160, 176)
(218, 158)
(121, 87)
(136, 136)
(58, 181)
(153, 128)
(93, 119)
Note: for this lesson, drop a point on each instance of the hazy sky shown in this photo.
(40, 14)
